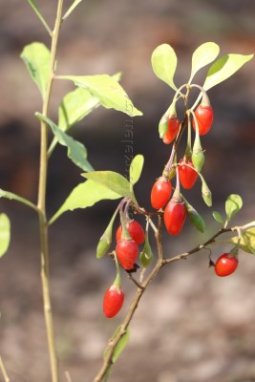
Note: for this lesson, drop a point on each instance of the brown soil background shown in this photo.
(190, 326)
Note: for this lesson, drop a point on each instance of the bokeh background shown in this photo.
(190, 326)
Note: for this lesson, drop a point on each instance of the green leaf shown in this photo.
(71, 9)
(233, 205)
(113, 181)
(85, 195)
(136, 169)
(76, 151)
(202, 56)
(224, 68)
(120, 347)
(75, 106)
(105, 240)
(218, 217)
(164, 63)
(107, 89)
(5, 233)
(163, 123)
(146, 255)
(10, 196)
(247, 242)
(206, 193)
(195, 218)
(34, 6)
(37, 59)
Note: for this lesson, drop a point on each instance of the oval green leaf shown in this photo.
(164, 63)
(105, 240)
(5, 233)
(195, 218)
(233, 205)
(136, 169)
(146, 255)
(224, 68)
(202, 56)
(37, 59)
(120, 347)
(206, 193)
(218, 217)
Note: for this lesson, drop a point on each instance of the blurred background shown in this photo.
(190, 326)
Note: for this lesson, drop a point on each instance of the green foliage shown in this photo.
(206, 193)
(17, 198)
(120, 347)
(218, 217)
(108, 91)
(106, 239)
(76, 151)
(85, 195)
(163, 123)
(5, 233)
(164, 63)
(202, 56)
(195, 218)
(136, 169)
(113, 181)
(224, 68)
(146, 255)
(233, 205)
(247, 241)
(36, 56)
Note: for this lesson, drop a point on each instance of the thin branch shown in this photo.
(40, 16)
(3, 370)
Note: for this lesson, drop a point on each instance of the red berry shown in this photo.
(226, 264)
(174, 216)
(160, 192)
(188, 175)
(173, 126)
(135, 231)
(204, 117)
(127, 253)
(113, 300)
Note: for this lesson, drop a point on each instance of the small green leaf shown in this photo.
(224, 68)
(11, 196)
(233, 205)
(71, 9)
(146, 255)
(202, 56)
(85, 195)
(76, 151)
(206, 193)
(164, 62)
(198, 157)
(163, 123)
(247, 242)
(218, 217)
(37, 59)
(113, 181)
(136, 169)
(195, 218)
(120, 347)
(105, 240)
(5, 233)
(109, 92)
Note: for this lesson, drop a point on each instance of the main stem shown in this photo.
(43, 222)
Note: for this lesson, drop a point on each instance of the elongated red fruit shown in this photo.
(127, 253)
(226, 264)
(173, 126)
(174, 216)
(204, 117)
(135, 231)
(113, 301)
(188, 175)
(160, 192)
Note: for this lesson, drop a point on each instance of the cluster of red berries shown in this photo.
(128, 240)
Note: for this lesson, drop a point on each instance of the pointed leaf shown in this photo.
(105, 240)
(146, 255)
(120, 347)
(218, 217)
(109, 92)
(5, 233)
(37, 59)
(113, 181)
(136, 169)
(206, 193)
(76, 151)
(224, 68)
(233, 205)
(85, 195)
(164, 62)
(17, 198)
(195, 218)
(71, 9)
(247, 242)
(163, 123)
(202, 56)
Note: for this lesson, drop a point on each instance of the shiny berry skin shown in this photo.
(174, 216)
(173, 126)
(135, 231)
(127, 253)
(113, 300)
(160, 192)
(225, 265)
(204, 117)
(187, 174)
